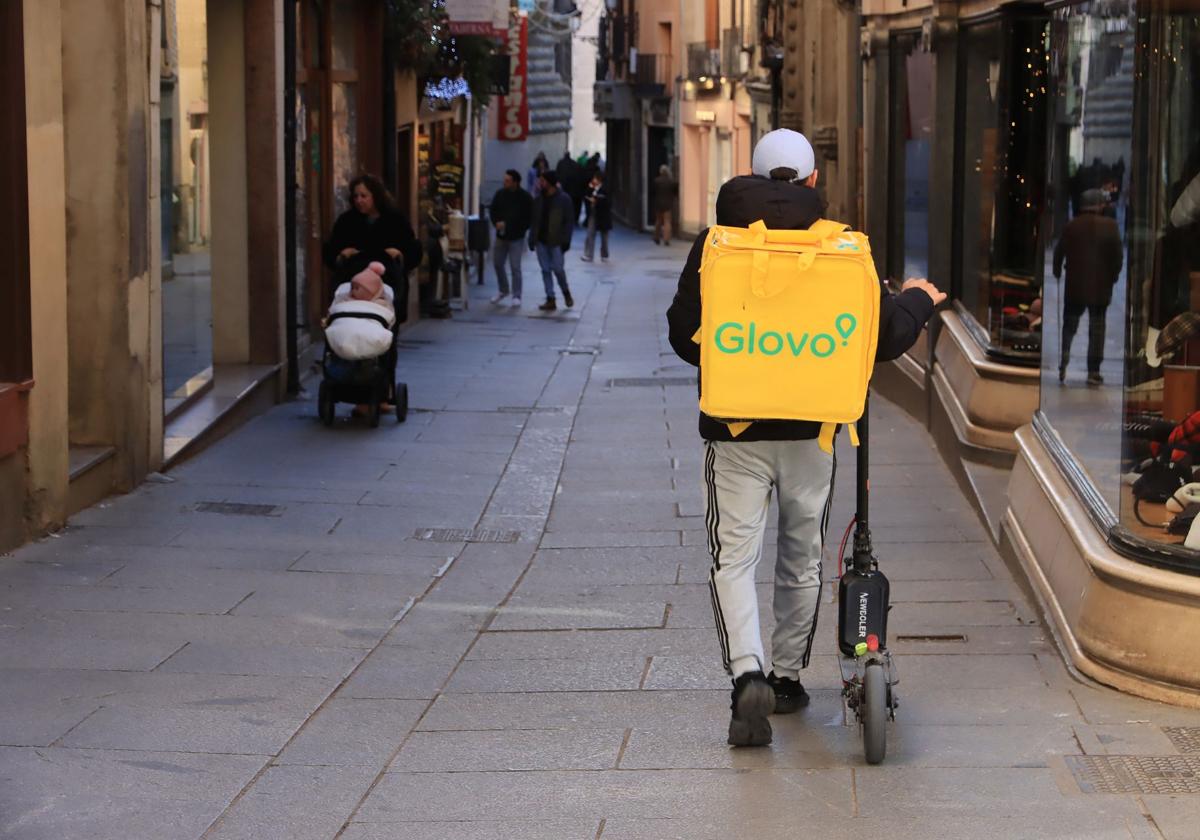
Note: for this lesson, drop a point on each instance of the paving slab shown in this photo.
(527, 749)
(295, 802)
(59, 793)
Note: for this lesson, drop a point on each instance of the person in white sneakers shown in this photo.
(779, 458)
(512, 210)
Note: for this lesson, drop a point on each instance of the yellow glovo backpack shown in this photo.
(789, 324)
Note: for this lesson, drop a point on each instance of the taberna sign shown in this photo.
(514, 105)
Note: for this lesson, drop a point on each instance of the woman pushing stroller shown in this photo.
(373, 230)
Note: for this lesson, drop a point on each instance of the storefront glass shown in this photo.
(1122, 246)
(912, 114)
(1001, 143)
(186, 198)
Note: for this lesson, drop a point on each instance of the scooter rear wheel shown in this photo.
(874, 713)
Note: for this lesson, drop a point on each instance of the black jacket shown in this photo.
(390, 230)
(600, 208)
(515, 209)
(741, 202)
(560, 223)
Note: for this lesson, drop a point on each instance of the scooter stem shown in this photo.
(862, 529)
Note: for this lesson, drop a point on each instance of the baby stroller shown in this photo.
(369, 382)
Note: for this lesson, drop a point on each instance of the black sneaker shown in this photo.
(790, 695)
(1095, 379)
(752, 701)
(568, 300)
(549, 305)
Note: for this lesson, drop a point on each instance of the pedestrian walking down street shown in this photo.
(663, 192)
(1091, 247)
(373, 230)
(772, 456)
(572, 179)
(599, 217)
(512, 211)
(550, 234)
(540, 165)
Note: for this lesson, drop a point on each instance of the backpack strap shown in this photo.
(829, 432)
(737, 428)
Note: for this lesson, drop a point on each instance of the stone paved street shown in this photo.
(492, 623)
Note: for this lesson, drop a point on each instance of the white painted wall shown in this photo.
(586, 131)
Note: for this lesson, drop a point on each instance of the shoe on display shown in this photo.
(751, 701)
(549, 305)
(500, 299)
(790, 695)
(568, 300)
(515, 303)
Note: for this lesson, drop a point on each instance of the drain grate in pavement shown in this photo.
(1185, 738)
(238, 509)
(473, 535)
(650, 381)
(930, 637)
(1147, 774)
(530, 409)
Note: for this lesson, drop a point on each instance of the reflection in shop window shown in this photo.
(1001, 187)
(912, 77)
(345, 143)
(1121, 379)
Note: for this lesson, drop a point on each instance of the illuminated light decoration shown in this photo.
(446, 89)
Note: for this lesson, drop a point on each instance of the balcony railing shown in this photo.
(652, 75)
(704, 61)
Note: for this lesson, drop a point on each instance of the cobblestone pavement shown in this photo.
(492, 622)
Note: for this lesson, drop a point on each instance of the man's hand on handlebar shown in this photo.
(395, 254)
(347, 253)
(935, 294)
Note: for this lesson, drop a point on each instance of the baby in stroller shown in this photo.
(360, 353)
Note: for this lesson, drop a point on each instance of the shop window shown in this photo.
(1000, 188)
(344, 138)
(344, 34)
(912, 116)
(1121, 246)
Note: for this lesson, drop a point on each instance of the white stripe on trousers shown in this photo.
(739, 478)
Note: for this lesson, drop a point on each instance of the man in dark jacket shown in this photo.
(1091, 246)
(663, 192)
(512, 211)
(550, 236)
(599, 217)
(777, 456)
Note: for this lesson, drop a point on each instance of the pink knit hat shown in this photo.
(371, 280)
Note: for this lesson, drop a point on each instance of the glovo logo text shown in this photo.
(735, 337)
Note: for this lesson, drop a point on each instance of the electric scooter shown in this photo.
(868, 671)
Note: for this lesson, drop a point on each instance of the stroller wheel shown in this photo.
(401, 402)
(325, 404)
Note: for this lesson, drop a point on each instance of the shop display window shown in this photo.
(1120, 267)
(912, 116)
(1000, 186)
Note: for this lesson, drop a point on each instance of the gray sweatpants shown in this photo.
(739, 478)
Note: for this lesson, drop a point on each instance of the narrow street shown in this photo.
(492, 622)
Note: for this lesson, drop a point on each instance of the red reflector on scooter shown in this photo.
(872, 643)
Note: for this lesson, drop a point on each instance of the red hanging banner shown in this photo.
(514, 106)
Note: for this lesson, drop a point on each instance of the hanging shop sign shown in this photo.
(514, 106)
(471, 17)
